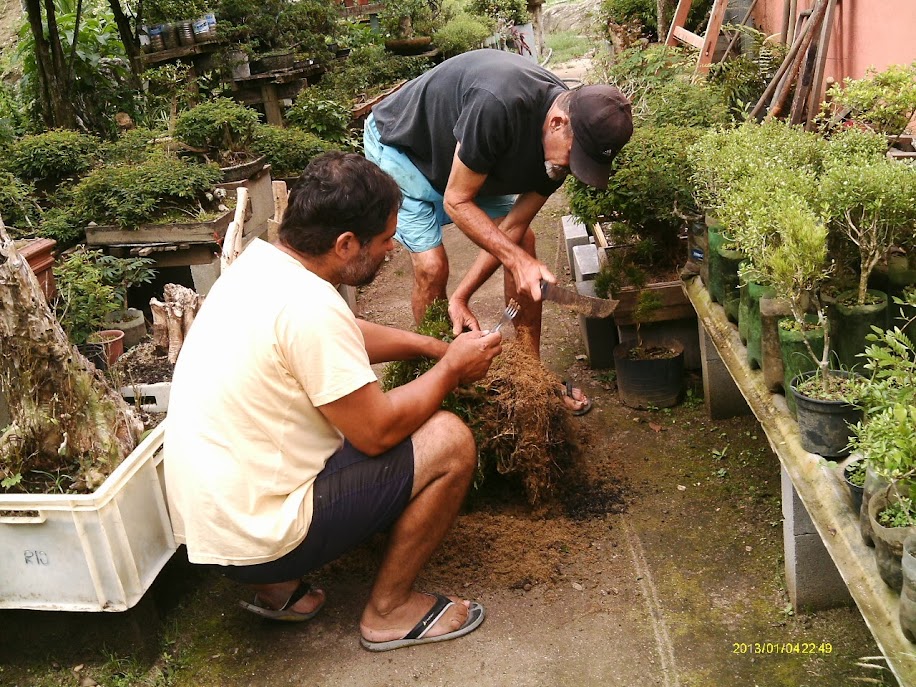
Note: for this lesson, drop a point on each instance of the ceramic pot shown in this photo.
(112, 341)
(130, 321)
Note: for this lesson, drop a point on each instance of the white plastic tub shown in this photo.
(88, 552)
(153, 398)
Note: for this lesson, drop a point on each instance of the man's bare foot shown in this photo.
(376, 627)
(575, 401)
(276, 596)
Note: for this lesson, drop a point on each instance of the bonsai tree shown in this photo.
(288, 150)
(884, 102)
(401, 19)
(52, 156)
(64, 414)
(870, 204)
(221, 128)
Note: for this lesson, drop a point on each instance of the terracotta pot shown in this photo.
(112, 341)
(39, 253)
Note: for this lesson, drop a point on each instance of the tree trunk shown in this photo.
(54, 87)
(129, 39)
(63, 412)
(173, 318)
(665, 11)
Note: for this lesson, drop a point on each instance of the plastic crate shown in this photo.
(88, 552)
(154, 398)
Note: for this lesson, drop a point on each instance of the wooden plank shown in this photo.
(362, 109)
(196, 232)
(716, 17)
(817, 86)
(600, 238)
(181, 51)
(678, 20)
(685, 36)
(674, 303)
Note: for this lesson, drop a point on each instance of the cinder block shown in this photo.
(599, 335)
(576, 234)
(812, 579)
(585, 262)
(722, 397)
(795, 514)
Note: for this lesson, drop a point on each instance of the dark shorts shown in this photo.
(355, 496)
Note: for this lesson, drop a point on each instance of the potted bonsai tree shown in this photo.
(222, 131)
(408, 25)
(870, 203)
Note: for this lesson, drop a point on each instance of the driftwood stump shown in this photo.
(173, 318)
(62, 410)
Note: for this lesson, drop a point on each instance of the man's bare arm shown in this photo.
(375, 421)
(384, 344)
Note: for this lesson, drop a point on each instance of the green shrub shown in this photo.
(368, 69)
(743, 79)
(128, 195)
(645, 13)
(161, 11)
(17, 206)
(883, 101)
(723, 157)
(510, 11)
(63, 225)
(84, 300)
(853, 145)
(135, 145)
(276, 24)
(321, 113)
(52, 155)
(407, 18)
(221, 125)
(684, 103)
(650, 183)
(288, 150)
(462, 34)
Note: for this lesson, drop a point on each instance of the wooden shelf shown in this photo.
(361, 10)
(181, 51)
(819, 488)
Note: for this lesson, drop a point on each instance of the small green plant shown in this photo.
(18, 207)
(888, 441)
(855, 474)
(288, 150)
(220, 126)
(84, 299)
(647, 304)
(322, 114)
(52, 155)
(899, 513)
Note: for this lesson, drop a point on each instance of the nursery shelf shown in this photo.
(819, 488)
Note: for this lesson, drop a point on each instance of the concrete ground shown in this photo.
(657, 564)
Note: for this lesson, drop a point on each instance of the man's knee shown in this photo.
(445, 440)
(431, 269)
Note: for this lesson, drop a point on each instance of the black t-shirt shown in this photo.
(493, 102)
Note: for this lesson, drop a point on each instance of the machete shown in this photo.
(573, 300)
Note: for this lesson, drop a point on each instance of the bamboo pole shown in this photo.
(817, 89)
(779, 99)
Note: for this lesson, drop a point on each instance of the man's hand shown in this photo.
(461, 316)
(471, 353)
(528, 272)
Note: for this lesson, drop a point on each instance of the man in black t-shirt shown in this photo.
(482, 140)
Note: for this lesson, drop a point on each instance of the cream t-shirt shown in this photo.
(244, 440)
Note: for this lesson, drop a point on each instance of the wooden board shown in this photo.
(194, 232)
(675, 305)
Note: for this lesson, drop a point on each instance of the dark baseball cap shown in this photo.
(602, 123)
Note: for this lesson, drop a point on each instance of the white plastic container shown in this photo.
(88, 552)
(154, 398)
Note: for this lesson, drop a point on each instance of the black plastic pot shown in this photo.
(649, 383)
(824, 425)
(852, 323)
(95, 354)
(855, 491)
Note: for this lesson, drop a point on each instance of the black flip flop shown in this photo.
(418, 634)
(285, 614)
(569, 392)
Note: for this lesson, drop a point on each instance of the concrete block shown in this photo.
(575, 234)
(795, 515)
(812, 579)
(721, 395)
(585, 262)
(599, 335)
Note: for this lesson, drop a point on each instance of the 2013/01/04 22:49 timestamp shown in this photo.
(782, 648)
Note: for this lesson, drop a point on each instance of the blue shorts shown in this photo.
(354, 497)
(422, 215)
